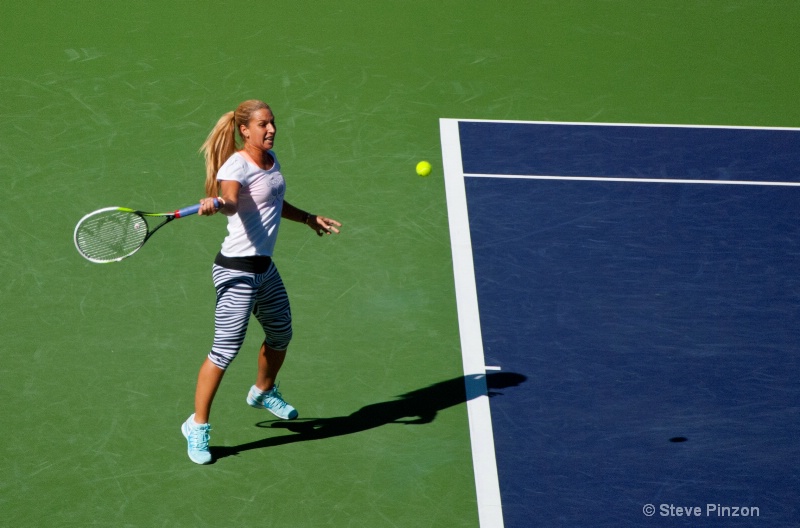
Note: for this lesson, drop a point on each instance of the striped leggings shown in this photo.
(238, 295)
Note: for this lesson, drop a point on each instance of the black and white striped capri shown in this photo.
(239, 294)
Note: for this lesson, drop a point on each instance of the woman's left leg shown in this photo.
(274, 313)
(270, 362)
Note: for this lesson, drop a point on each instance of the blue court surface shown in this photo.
(643, 283)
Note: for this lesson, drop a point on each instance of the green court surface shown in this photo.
(107, 104)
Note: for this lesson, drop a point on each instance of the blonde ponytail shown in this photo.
(221, 142)
(217, 148)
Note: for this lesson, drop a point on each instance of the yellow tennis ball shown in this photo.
(423, 168)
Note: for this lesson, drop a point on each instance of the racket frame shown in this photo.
(168, 217)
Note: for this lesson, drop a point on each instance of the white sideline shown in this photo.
(487, 485)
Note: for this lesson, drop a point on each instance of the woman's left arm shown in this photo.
(320, 224)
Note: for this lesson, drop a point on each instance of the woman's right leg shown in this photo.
(236, 293)
(208, 381)
(235, 299)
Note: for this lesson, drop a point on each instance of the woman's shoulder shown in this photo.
(234, 168)
(236, 160)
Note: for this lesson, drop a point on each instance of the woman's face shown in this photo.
(260, 130)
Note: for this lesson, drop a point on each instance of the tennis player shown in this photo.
(251, 190)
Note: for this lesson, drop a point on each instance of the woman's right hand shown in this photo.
(208, 207)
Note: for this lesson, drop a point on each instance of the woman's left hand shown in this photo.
(323, 225)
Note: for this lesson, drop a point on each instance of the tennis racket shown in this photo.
(114, 233)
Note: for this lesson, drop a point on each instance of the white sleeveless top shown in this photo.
(253, 230)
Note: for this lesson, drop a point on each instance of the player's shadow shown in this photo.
(414, 408)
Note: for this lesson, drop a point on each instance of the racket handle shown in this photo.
(192, 209)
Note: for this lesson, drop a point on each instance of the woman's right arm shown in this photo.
(229, 191)
(228, 202)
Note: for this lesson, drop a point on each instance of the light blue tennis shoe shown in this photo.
(271, 401)
(197, 437)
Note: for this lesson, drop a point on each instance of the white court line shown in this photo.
(487, 485)
(648, 125)
(634, 180)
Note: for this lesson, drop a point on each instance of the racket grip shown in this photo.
(192, 209)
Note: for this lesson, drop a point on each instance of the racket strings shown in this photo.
(110, 235)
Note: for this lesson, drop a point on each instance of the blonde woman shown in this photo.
(249, 189)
